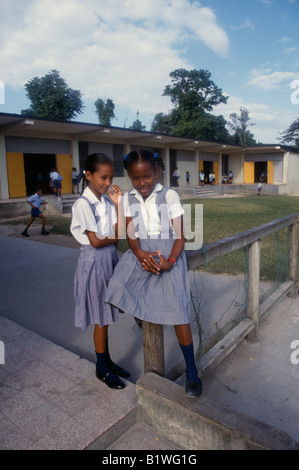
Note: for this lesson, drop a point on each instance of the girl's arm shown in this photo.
(99, 242)
(116, 197)
(95, 241)
(178, 246)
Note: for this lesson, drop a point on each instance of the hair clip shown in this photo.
(156, 155)
(125, 158)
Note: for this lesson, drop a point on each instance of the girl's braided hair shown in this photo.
(92, 163)
(142, 155)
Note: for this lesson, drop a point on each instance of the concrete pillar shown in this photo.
(4, 190)
(167, 168)
(75, 154)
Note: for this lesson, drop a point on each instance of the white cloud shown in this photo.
(267, 80)
(246, 25)
(269, 121)
(118, 49)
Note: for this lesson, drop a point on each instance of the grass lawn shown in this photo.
(227, 216)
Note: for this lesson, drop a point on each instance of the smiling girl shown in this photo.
(151, 279)
(95, 226)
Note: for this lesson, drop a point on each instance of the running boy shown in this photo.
(35, 202)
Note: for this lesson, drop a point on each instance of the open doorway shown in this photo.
(37, 171)
(207, 168)
(260, 172)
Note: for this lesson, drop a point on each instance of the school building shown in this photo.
(31, 147)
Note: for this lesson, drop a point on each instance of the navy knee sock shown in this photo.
(102, 366)
(191, 371)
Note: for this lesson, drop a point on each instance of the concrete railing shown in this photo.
(153, 342)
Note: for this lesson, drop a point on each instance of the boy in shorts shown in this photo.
(35, 202)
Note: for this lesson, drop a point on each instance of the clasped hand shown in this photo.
(149, 263)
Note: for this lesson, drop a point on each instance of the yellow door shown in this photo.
(64, 166)
(216, 171)
(248, 172)
(16, 174)
(270, 172)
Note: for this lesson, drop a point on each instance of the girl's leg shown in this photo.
(114, 367)
(103, 370)
(183, 333)
(99, 336)
(193, 383)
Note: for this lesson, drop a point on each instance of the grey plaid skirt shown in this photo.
(94, 270)
(163, 299)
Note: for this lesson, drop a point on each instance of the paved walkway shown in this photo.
(49, 396)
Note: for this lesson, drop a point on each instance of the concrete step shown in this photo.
(200, 423)
(68, 201)
(205, 191)
(139, 437)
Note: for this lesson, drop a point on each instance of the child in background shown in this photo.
(75, 182)
(57, 178)
(95, 226)
(35, 202)
(151, 279)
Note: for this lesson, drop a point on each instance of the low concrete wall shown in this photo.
(185, 192)
(202, 424)
(250, 188)
(15, 208)
(12, 209)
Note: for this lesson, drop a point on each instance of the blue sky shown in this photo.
(125, 50)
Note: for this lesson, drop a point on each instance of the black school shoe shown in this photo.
(111, 380)
(44, 232)
(194, 389)
(25, 234)
(117, 370)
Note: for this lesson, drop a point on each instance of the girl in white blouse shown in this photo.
(95, 226)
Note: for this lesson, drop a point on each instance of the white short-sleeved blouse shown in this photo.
(83, 218)
(153, 214)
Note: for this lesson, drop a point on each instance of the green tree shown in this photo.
(137, 125)
(51, 98)
(192, 90)
(239, 126)
(105, 111)
(291, 135)
(162, 123)
(193, 95)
